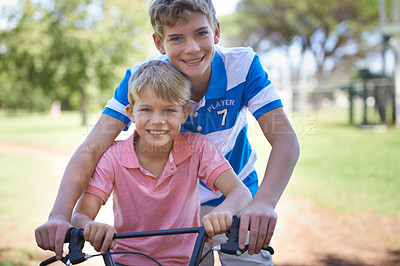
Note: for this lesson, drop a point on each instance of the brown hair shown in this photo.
(168, 12)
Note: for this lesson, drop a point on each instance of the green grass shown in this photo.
(29, 182)
(24, 185)
(27, 188)
(39, 129)
(347, 168)
(341, 167)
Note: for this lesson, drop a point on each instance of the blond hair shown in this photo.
(163, 79)
(168, 12)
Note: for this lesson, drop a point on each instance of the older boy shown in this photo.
(225, 84)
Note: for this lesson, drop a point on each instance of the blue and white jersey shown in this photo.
(238, 84)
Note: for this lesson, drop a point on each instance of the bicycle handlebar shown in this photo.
(76, 242)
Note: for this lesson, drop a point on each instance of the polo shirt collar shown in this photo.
(128, 154)
(218, 80)
(181, 150)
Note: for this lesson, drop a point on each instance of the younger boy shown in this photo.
(155, 174)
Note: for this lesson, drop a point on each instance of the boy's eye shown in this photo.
(145, 110)
(202, 33)
(175, 39)
(170, 110)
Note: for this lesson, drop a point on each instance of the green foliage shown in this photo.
(68, 49)
(326, 29)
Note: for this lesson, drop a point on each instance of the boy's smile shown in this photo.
(190, 48)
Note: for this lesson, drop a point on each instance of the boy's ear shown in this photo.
(129, 110)
(217, 33)
(159, 44)
(186, 110)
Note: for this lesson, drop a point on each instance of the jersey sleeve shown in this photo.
(260, 96)
(115, 107)
(212, 164)
(102, 182)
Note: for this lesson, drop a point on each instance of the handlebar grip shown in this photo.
(48, 261)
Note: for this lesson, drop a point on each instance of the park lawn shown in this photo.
(347, 168)
(43, 130)
(341, 166)
(28, 187)
(29, 182)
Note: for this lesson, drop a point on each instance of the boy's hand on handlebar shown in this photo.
(260, 219)
(100, 236)
(51, 235)
(216, 223)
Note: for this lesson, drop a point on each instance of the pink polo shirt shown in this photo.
(143, 202)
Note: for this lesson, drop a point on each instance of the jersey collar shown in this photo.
(218, 80)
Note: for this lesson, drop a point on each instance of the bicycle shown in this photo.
(76, 243)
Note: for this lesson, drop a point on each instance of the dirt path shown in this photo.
(306, 234)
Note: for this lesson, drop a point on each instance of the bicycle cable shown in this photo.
(205, 255)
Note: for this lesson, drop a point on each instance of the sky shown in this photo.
(224, 7)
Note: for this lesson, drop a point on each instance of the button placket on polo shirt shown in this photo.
(169, 170)
(147, 174)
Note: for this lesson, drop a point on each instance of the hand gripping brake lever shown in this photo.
(232, 245)
(76, 242)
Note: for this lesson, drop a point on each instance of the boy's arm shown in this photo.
(50, 236)
(260, 216)
(237, 196)
(98, 234)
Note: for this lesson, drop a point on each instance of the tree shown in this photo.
(328, 30)
(68, 49)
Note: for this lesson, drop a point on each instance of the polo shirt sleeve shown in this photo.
(102, 182)
(259, 93)
(212, 164)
